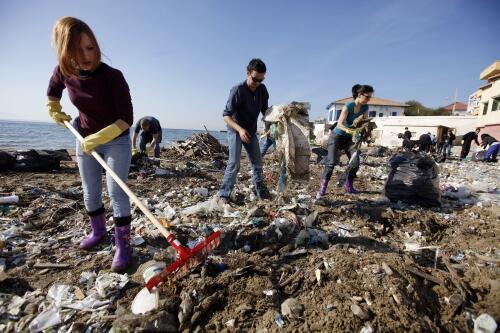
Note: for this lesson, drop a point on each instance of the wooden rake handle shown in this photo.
(125, 188)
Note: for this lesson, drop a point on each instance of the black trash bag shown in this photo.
(39, 160)
(479, 156)
(140, 161)
(414, 179)
(7, 160)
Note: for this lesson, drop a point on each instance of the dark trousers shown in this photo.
(336, 145)
(425, 147)
(465, 149)
(492, 152)
(145, 138)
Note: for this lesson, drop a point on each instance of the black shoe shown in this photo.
(262, 191)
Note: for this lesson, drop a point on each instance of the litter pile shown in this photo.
(198, 145)
(33, 160)
(346, 263)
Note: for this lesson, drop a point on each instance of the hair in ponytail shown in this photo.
(361, 89)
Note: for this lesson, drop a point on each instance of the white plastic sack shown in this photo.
(293, 141)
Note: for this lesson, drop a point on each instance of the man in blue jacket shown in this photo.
(246, 100)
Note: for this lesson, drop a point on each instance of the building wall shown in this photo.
(489, 110)
(388, 129)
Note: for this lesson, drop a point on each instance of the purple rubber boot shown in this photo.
(348, 186)
(322, 188)
(98, 224)
(123, 251)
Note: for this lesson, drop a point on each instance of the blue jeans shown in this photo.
(492, 152)
(233, 164)
(447, 149)
(146, 138)
(117, 154)
(267, 144)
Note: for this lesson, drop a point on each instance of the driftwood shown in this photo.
(426, 276)
(198, 145)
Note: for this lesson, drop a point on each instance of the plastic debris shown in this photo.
(269, 292)
(485, 324)
(11, 199)
(109, 283)
(145, 301)
(458, 258)
(46, 319)
(279, 320)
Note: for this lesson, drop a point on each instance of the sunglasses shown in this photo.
(367, 96)
(254, 79)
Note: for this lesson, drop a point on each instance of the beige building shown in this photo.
(485, 102)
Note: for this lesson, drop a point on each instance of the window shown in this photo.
(496, 104)
(380, 114)
(330, 115)
(372, 114)
(394, 114)
(337, 114)
(485, 108)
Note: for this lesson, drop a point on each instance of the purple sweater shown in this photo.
(101, 99)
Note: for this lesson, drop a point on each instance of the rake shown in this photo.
(187, 258)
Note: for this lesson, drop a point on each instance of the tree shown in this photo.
(418, 109)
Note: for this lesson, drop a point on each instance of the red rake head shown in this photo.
(188, 259)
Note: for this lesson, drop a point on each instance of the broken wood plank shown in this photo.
(290, 279)
(426, 276)
(486, 258)
(50, 265)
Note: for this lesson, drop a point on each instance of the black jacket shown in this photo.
(469, 137)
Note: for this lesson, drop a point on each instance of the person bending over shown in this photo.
(340, 138)
(149, 130)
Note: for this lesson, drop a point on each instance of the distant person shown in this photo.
(449, 142)
(492, 147)
(246, 101)
(442, 142)
(269, 140)
(407, 134)
(425, 142)
(466, 142)
(102, 97)
(150, 133)
(433, 142)
(340, 139)
(406, 139)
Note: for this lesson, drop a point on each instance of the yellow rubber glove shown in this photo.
(350, 131)
(134, 151)
(55, 111)
(103, 136)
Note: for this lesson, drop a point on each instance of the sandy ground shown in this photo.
(359, 278)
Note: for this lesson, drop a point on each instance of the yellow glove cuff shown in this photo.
(53, 106)
(103, 136)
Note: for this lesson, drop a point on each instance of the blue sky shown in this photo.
(181, 58)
